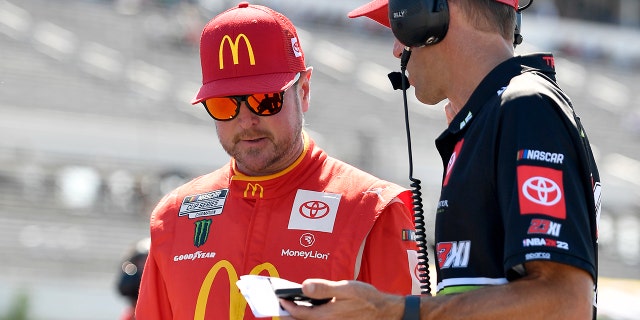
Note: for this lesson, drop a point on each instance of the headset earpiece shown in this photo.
(417, 23)
(517, 37)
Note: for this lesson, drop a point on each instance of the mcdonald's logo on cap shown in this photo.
(237, 303)
(233, 45)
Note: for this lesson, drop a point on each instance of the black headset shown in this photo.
(418, 23)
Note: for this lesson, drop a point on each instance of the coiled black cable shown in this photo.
(418, 214)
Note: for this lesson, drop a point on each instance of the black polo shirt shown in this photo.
(520, 182)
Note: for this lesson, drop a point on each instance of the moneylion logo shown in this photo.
(201, 233)
(233, 45)
(237, 303)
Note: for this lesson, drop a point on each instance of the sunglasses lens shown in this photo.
(222, 108)
(262, 104)
(265, 104)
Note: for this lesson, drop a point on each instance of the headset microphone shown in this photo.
(399, 80)
(404, 58)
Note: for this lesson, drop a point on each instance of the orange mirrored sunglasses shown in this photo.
(262, 104)
(227, 108)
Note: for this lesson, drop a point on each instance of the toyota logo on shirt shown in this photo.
(314, 209)
(542, 191)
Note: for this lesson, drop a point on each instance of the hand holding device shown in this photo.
(296, 295)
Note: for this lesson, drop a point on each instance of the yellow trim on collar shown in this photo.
(240, 176)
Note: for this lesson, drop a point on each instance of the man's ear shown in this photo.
(304, 85)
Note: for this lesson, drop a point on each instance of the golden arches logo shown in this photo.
(237, 303)
(234, 49)
(254, 188)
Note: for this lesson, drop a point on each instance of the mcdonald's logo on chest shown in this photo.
(253, 190)
(237, 50)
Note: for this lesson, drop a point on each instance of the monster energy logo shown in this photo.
(201, 233)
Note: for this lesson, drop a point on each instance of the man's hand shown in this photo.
(351, 300)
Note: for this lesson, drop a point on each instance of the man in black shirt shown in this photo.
(516, 225)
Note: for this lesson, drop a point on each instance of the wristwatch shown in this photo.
(411, 308)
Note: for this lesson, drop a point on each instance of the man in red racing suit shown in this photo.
(300, 214)
(318, 218)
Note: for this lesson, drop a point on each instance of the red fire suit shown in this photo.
(318, 218)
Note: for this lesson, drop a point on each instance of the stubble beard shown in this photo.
(264, 160)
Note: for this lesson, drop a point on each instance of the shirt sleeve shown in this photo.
(153, 300)
(389, 260)
(546, 208)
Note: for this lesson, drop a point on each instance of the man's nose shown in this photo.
(397, 48)
(246, 118)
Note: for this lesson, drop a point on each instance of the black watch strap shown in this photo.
(411, 308)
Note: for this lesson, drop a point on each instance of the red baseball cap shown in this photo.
(378, 10)
(248, 49)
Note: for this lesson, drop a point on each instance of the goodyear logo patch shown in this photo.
(204, 204)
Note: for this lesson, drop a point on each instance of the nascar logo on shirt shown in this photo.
(204, 204)
(551, 157)
(314, 211)
(541, 191)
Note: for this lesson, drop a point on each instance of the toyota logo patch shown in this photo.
(542, 191)
(314, 209)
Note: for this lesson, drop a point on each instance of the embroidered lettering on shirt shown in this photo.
(526, 154)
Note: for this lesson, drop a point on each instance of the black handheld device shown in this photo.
(296, 295)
